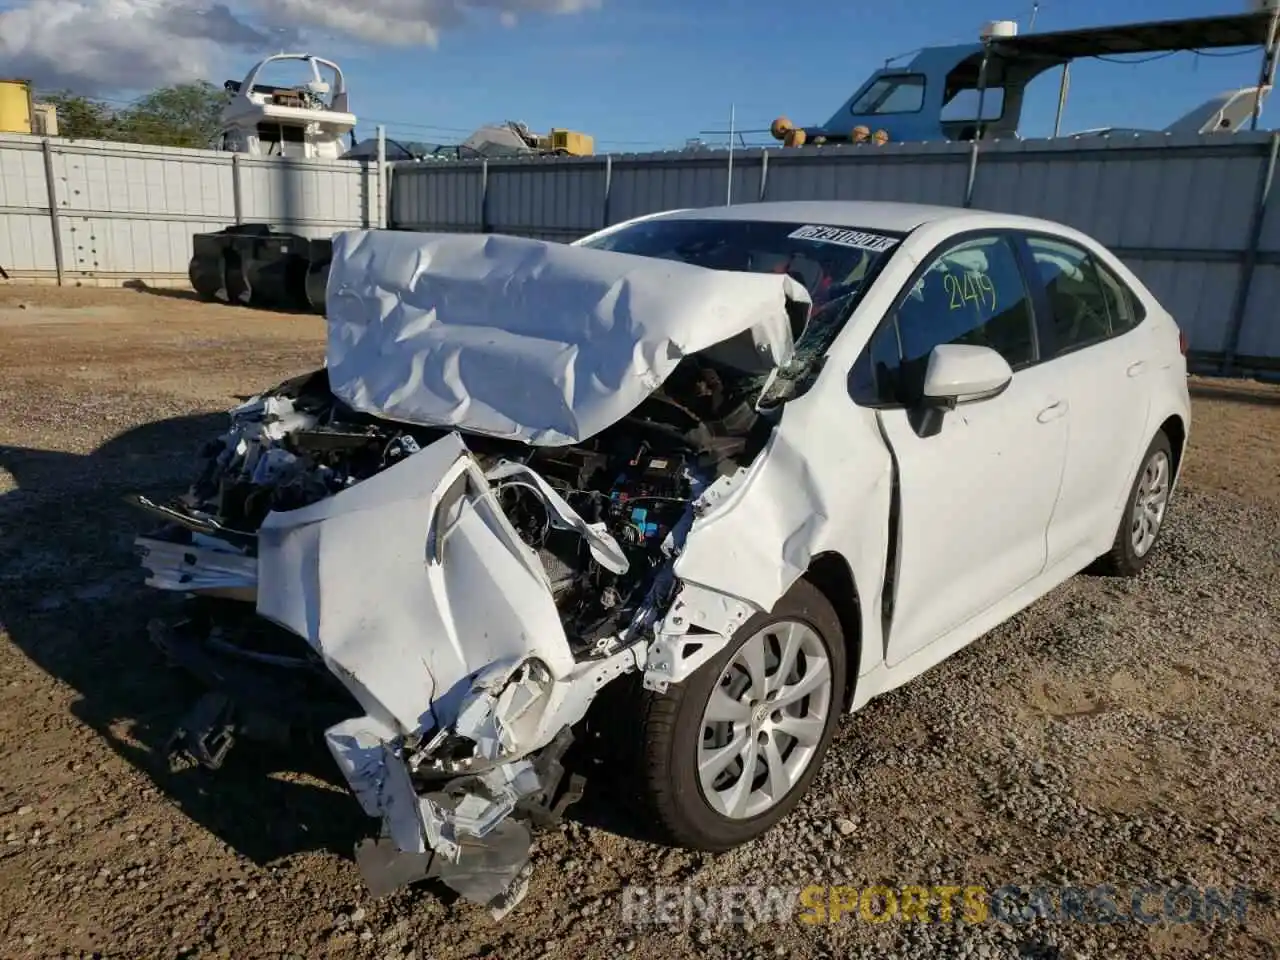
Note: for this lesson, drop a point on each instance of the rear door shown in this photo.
(1093, 340)
(974, 500)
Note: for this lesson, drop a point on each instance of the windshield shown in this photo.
(830, 261)
(834, 263)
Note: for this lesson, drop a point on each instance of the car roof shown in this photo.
(866, 214)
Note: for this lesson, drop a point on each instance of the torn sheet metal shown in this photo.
(194, 520)
(531, 340)
(366, 753)
(409, 583)
(512, 711)
(604, 548)
(461, 831)
(758, 530)
(379, 774)
(205, 566)
(677, 651)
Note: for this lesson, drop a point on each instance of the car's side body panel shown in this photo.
(1166, 373)
(822, 485)
(1108, 412)
(975, 503)
(1108, 448)
(1118, 391)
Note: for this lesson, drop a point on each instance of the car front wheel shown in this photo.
(729, 752)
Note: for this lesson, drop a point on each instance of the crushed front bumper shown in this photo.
(419, 605)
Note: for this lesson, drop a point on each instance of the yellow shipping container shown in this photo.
(572, 142)
(15, 106)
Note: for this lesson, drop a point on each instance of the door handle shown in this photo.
(1053, 411)
(1137, 369)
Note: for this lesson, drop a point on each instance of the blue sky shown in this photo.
(636, 74)
(646, 74)
(643, 76)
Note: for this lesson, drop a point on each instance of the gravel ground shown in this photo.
(1117, 732)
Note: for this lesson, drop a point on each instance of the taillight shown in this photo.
(1182, 342)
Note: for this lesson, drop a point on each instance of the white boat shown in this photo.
(311, 119)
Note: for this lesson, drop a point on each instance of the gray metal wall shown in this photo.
(1193, 216)
(104, 213)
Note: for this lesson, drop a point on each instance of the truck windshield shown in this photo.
(899, 93)
(835, 264)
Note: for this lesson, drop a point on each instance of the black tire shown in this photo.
(317, 280)
(671, 729)
(239, 292)
(1123, 559)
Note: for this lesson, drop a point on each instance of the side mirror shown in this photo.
(959, 373)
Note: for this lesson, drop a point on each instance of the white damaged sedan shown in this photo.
(767, 461)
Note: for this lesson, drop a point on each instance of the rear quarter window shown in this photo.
(1123, 305)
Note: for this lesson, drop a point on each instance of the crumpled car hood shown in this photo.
(531, 340)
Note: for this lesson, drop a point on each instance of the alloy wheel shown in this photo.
(764, 720)
(1149, 503)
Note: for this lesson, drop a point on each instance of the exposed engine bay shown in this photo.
(298, 444)
(630, 494)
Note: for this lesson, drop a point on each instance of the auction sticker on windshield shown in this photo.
(858, 239)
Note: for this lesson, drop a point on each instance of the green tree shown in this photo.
(80, 117)
(183, 115)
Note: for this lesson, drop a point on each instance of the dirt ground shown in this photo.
(1113, 733)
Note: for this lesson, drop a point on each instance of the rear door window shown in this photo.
(1082, 311)
(1123, 305)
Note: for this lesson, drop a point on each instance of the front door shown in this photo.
(974, 499)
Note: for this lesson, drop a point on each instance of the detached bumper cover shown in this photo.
(408, 585)
(421, 598)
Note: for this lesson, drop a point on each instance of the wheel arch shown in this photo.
(831, 574)
(1175, 429)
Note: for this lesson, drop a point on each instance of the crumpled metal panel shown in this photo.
(531, 340)
(207, 567)
(409, 583)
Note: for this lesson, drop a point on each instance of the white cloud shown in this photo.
(406, 22)
(100, 46)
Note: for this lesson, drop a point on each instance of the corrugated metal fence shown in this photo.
(1195, 217)
(89, 211)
